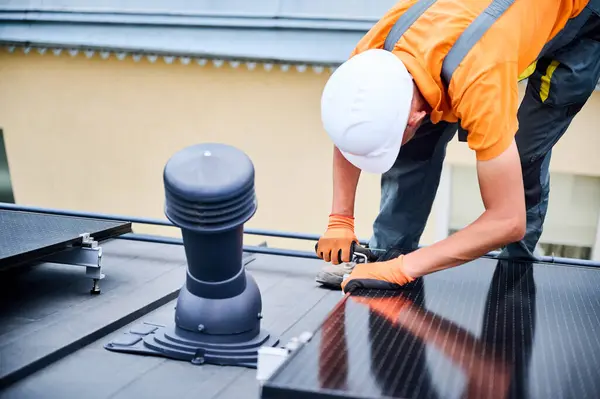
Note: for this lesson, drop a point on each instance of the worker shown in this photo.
(427, 71)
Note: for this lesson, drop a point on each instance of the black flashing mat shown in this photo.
(27, 236)
(487, 329)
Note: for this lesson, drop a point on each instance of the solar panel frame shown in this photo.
(27, 236)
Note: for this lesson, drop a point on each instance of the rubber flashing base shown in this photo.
(169, 342)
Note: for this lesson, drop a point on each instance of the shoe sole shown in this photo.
(329, 280)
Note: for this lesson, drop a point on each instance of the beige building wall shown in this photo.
(577, 151)
(94, 134)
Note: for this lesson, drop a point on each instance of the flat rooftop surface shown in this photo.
(485, 329)
(48, 318)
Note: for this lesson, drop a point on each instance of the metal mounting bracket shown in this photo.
(271, 358)
(87, 254)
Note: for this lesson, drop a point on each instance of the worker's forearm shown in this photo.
(489, 232)
(345, 180)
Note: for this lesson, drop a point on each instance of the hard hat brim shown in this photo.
(379, 164)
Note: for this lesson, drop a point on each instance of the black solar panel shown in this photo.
(26, 236)
(485, 329)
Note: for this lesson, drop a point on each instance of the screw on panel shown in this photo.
(198, 360)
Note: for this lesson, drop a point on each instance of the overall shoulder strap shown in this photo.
(405, 21)
(467, 39)
(463, 44)
(471, 35)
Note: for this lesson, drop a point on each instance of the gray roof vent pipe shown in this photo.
(209, 195)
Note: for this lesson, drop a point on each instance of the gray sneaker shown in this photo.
(332, 275)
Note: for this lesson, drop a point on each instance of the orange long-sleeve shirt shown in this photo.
(483, 92)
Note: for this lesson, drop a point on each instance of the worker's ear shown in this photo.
(412, 125)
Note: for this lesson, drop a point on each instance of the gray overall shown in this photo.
(409, 187)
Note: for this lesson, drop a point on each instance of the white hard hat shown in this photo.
(365, 107)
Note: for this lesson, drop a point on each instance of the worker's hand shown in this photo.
(334, 246)
(388, 275)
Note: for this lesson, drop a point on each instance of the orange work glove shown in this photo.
(334, 246)
(388, 275)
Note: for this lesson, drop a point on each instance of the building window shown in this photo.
(572, 221)
(6, 192)
(565, 251)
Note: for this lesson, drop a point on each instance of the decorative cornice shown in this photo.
(172, 59)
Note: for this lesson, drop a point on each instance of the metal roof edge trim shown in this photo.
(169, 59)
(231, 12)
(314, 46)
(179, 19)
